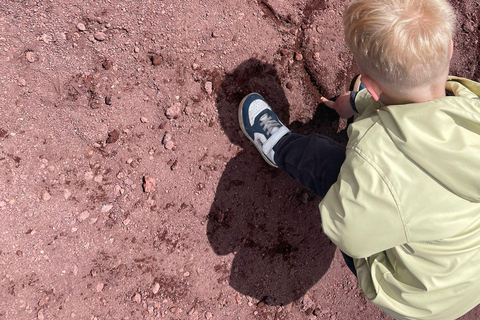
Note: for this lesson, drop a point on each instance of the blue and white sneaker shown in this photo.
(261, 125)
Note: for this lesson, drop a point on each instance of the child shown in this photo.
(401, 201)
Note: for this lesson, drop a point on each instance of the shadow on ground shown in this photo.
(266, 219)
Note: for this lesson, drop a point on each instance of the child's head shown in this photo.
(401, 43)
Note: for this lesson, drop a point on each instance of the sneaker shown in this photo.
(261, 125)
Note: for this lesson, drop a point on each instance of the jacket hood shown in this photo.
(442, 137)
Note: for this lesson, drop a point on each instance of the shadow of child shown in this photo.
(258, 212)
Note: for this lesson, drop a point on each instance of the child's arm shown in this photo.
(343, 105)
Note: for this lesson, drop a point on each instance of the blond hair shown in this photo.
(404, 43)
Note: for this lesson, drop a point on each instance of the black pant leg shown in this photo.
(314, 160)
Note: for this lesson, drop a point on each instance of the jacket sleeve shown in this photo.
(359, 212)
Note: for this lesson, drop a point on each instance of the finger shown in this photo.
(327, 102)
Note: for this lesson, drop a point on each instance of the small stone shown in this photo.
(195, 66)
(137, 297)
(98, 178)
(209, 87)
(216, 34)
(173, 165)
(67, 194)
(174, 111)
(148, 184)
(19, 253)
(43, 301)
(186, 274)
(45, 195)
(100, 286)
(136, 50)
(81, 27)
(113, 136)
(117, 190)
(100, 36)
(21, 82)
(156, 287)
(3, 133)
(167, 137)
(106, 208)
(143, 120)
(30, 56)
(316, 56)
(107, 64)
(40, 315)
(289, 85)
(175, 310)
(83, 216)
(169, 145)
(150, 309)
(46, 38)
(156, 59)
(298, 56)
(108, 100)
(208, 315)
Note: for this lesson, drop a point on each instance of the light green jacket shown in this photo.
(406, 204)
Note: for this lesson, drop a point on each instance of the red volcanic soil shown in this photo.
(127, 190)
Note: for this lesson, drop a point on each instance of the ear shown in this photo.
(372, 87)
(451, 49)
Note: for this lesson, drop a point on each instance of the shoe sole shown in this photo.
(242, 126)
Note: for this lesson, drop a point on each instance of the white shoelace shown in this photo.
(268, 124)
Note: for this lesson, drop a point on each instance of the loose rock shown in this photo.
(21, 82)
(83, 216)
(40, 315)
(67, 194)
(209, 87)
(107, 64)
(81, 27)
(174, 111)
(156, 59)
(113, 136)
(137, 298)
(156, 288)
(100, 286)
(45, 195)
(100, 36)
(30, 56)
(148, 184)
(106, 208)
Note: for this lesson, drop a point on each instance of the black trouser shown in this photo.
(314, 161)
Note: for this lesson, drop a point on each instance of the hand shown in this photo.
(341, 105)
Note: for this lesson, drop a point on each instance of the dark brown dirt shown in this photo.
(127, 190)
